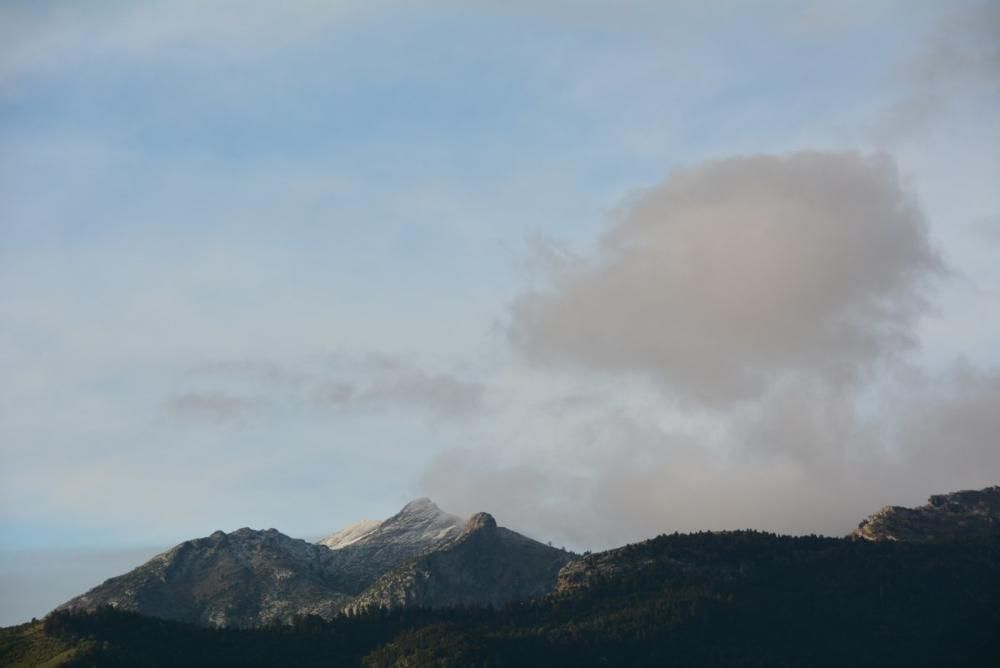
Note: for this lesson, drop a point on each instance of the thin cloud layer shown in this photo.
(213, 406)
(739, 272)
(236, 389)
(45, 37)
(440, 395)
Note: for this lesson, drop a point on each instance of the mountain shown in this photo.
(962, 515)
(362, 556)
(701, 600)
(708, 599)
(249, 578)
(243, 578)
(484, 565)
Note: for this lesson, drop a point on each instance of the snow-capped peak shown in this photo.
(420, 524)
(421, 505)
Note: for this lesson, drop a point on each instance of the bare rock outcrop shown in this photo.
(957, 516)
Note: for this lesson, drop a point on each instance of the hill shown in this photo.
(709, 599)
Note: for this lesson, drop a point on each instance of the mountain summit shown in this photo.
(420, 525)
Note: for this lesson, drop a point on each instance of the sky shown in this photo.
(603, 269)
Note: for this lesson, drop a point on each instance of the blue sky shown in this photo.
(262, 265)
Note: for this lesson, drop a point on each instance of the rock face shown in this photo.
(419, 556)
(420, 527)
(484, 565)
(947, 517)
(243, 578)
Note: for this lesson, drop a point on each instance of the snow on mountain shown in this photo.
(419, 527)
(350, 535)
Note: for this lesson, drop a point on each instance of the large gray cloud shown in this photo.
(786, 290)
(738, 272)
(808, 458)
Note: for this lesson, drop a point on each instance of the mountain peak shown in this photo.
(420, 526)
(421, 505)
(480, 521)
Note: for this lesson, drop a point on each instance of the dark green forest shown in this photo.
(707, 599)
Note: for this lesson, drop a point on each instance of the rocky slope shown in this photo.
(362, 556)
(350, 535)
(422, 555)
(420, 525)
(243, 578)
(484, 565)
(947, 517)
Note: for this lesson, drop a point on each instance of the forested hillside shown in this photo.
(708, 599)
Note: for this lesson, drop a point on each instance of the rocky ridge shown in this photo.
(419, 556)
(485, 565)
(243, 578)
(961, 515)
(423, 556)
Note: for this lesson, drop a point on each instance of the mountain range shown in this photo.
(424, 556)
(421, 556)
(912, 586)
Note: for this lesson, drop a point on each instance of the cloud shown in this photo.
(389, 382)
(48, 37)
(736, 273)
(442, 394)
(213, 406)
(778, 299)
(947, 428)
(233, 389)
(957, 63)
(986, 229)
(807, 459)
(251, 370)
